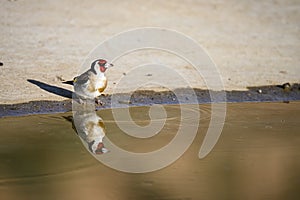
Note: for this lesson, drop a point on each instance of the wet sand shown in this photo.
(256, 157)
(272, 93)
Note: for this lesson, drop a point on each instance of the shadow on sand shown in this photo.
(52, 89)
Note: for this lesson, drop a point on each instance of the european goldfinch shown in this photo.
(93, 82)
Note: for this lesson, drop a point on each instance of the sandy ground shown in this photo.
(252, 42)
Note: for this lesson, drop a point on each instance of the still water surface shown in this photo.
(256, 157)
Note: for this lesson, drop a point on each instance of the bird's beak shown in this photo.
(108, 65)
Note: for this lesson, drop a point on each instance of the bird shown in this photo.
(93, 82)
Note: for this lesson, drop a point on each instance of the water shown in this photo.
(256, 157)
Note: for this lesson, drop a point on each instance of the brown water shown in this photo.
(256, 157)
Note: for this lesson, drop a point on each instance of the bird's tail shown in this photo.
(70, 82)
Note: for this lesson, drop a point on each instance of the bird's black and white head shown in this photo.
(100, 65)
(97, 147)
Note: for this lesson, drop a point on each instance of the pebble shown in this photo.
(60, 78)
(286, 87)
(259, 91)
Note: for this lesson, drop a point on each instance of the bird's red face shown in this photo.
(103, 65)
(99, 149)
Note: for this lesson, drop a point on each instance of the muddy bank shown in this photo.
(275, 93)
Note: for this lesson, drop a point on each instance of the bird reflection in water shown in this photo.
(89, 126)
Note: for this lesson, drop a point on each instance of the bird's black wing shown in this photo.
(82, 79)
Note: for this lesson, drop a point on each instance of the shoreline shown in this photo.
(270, 93)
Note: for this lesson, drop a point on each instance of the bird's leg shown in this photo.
(98, 101)
(83, 102)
